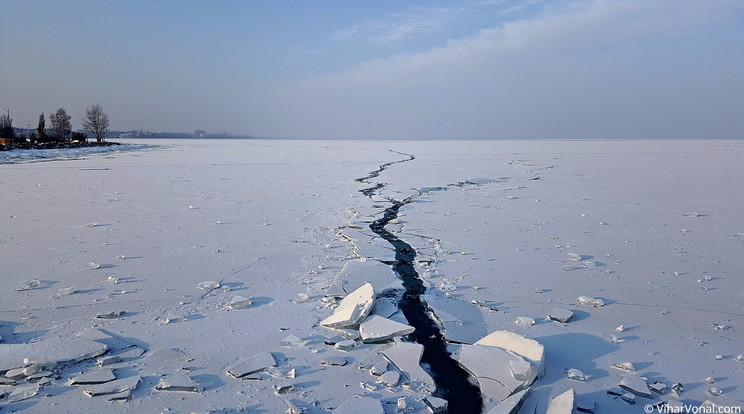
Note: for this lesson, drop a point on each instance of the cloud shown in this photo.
(400, 26)
(581, 68)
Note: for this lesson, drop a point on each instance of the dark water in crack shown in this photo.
(451, 380)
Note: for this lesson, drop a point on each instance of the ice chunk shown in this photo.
(530, 349)
(94, 266)
(14, 374)
(586, 300)
(240, 302)
(462, 323)
(108, 360)
(492, 367)
(345, 345)
(384, 307)
(512, 404)
(402, 404)
(436, 405)
(352, 309)
(380, 368)
(560, 315)
(292, 341)
(256, 363)
(378, 329)
(620, 328)
(389, 379)
(28, 285)
(122, 386)
(715, 391)
(361, 405)
(94, 377)
(584, 406)
(635, 385)
(575, 257)
(524, 321)
(562, 404)
(406, 357)
(66, 291)
(628, 398)
(626, 366)
(522, 370)
(657, 387)
(575, 374)
(23, 392)
(179, 381)
(208, 285)
(740, 357)
(175, 318)
(109, 315)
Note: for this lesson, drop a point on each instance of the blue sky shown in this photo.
(492, 69)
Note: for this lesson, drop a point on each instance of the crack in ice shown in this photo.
(452, 381)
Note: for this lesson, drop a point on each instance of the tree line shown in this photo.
(95, 123)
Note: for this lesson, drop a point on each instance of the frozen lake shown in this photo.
(501, 230)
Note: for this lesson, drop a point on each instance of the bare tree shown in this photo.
(96, 122)
(61, 123)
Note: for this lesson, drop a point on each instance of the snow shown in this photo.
(650, 229)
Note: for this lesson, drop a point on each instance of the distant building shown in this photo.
(200, 133)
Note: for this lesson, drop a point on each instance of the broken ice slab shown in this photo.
(406, 357)
(524, 321)
(352, 309)
(562, 404)
(384, 307)
(560, 315)
(48, 352)
(575, 257)
(528, 348)
(586, 300)
(113, 387)
(174, 318)
(360, 405)
(93, 377)
(66, 291)
(23, 392)
(283, 388)
(208, 285)
(462, 322)
(15, 373)
(335, 291)
(584, 406)
(522, 370)
(492, 367)
(179, 381)
(254, 364)
(436, 405)
(109, 315)
(658, 387)
(379, 368)
(28, 285)
(292, 341)
(512, 404)
(389, 379)
(109, 360)
(345, 345)
(715, 391)
(378, 329)
(635, 385)
(334, 361)
(692, 214)
(113, 342)
(575, 374)
(239, 302)
(628, 398)
(626, 366)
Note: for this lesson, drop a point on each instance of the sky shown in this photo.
(469, 69)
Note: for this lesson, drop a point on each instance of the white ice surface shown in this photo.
(264, 219)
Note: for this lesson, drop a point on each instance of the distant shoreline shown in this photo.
(55, 145)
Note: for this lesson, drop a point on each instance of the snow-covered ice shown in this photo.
(646, 234)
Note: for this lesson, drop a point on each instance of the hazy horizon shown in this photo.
(583, 69)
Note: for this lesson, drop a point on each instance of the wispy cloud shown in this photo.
(418, 21)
